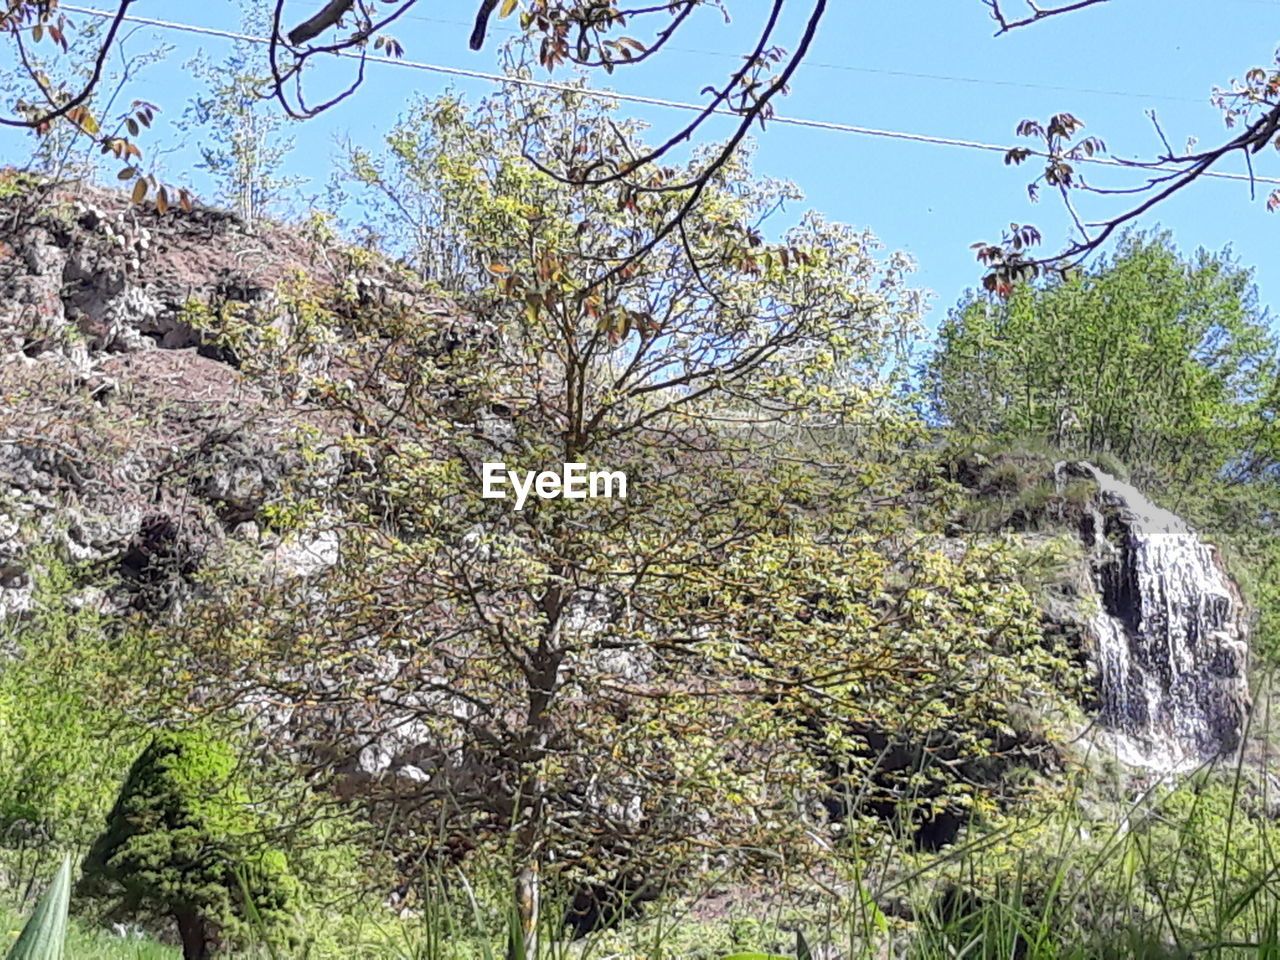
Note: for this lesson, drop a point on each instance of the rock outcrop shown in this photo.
(128, 432)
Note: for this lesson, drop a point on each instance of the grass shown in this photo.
(1142, 887)
(88, 943)
(1126, 868)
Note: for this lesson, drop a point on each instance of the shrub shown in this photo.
(183, 843)
(68, 681)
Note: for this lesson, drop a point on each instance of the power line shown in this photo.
(658, 102)
(880, 71)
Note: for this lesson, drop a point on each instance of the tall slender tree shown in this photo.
(243, 146)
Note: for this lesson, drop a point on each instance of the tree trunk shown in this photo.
(194, 934)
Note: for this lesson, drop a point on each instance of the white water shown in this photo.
(1169, 637)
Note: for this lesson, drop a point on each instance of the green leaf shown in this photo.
(45, 933)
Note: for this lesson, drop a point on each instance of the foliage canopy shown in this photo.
(672, 679)
(1167, 363)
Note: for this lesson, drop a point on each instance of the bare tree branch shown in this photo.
(1008, 261)
(46, 117)
(482, 23)
(697, 187)
(737, 80)
(1037, 13)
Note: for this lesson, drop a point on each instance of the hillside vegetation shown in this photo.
(283, 683)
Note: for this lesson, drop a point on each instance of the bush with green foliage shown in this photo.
(184, 843)
(1176, 871)
(68, 691)
(1165, 362)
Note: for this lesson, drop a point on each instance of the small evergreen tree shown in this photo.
(183, 843)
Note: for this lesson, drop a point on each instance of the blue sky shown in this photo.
(930, 67)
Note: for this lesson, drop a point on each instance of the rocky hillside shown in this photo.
(129, 430)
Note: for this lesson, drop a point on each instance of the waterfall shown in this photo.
(1169, 637)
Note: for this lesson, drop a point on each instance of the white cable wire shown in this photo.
(668, 104)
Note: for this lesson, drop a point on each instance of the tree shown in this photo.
(240, 143)
(589, 34)
(184, 843)
(1165, 362)
(639, 684)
